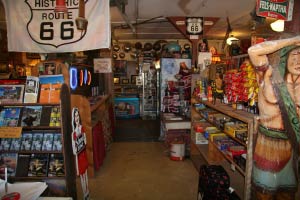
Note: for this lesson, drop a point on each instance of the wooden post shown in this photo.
(293, 26)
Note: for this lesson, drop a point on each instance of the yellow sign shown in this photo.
(10, 132)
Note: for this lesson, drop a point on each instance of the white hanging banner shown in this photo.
(33, 26)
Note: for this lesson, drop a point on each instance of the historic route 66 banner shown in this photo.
(33, 26)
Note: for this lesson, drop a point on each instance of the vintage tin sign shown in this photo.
(278, 9)
(194, 25)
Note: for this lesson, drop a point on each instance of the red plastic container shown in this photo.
(11, 196)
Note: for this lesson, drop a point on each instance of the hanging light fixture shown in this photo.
(278, 25)
(61, 6)
(81, 22)
(215, 58)
(231, 39)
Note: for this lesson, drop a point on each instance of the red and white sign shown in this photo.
(33, 26)
(278, 9)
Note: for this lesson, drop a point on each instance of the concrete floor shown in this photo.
(142, 171)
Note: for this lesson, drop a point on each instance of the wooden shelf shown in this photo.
(211, 155)
(242, 179)
(33, 178)
(229, 159)
(30, 152)
(228, 110)
(46, 128)
(234, 138)
(29, 104)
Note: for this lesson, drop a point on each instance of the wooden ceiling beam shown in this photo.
(180, 24)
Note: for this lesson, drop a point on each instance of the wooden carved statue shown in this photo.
(276, 151)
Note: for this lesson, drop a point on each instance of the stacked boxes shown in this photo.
(239, 131)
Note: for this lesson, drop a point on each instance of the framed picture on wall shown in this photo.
(133, 79)
(48, 68)
(116, 80)
(120, 67)
(125, 81)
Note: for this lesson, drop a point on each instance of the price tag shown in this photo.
(194, 37)
(10, 132)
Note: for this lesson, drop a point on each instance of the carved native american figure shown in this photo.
(276, 151)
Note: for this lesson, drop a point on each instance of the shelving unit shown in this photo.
(126, 89)
(150, 106)
(57, 186)
(210, 153)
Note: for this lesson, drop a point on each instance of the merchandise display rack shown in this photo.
(210, 153)
(64, 185)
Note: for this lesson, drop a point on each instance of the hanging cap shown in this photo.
(138, 45)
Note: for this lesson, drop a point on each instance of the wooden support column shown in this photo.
(293, 26)
(180, 24)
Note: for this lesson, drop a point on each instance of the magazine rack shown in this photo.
(60, 178)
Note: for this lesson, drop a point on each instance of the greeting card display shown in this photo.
(11, 93)
(15, 144)
(26, 142)
(31, 89)
(31, 115)
(37, 140)
(50, 88)
(56, 165)
(57, 142)
(38, 165)
(5, 144)
(9, 161)
(10, 116)
(47, 142)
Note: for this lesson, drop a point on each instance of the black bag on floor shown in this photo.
(213, 183)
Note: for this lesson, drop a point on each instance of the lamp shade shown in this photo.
(230, 39)
(278, 25)
(60, 6)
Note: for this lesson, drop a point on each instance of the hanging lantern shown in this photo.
(60, 6)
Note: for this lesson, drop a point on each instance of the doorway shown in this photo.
(137, 130)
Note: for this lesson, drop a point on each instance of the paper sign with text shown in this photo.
(278, 9)
(10, 132)
(102, 65)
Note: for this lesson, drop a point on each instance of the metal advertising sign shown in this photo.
(194, 25)
(278, 9)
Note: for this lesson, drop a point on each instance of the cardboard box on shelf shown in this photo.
(234, 129)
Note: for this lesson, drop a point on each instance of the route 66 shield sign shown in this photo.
(49, 28)
(194, 25)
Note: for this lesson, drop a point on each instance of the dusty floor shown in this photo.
(142, 171)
